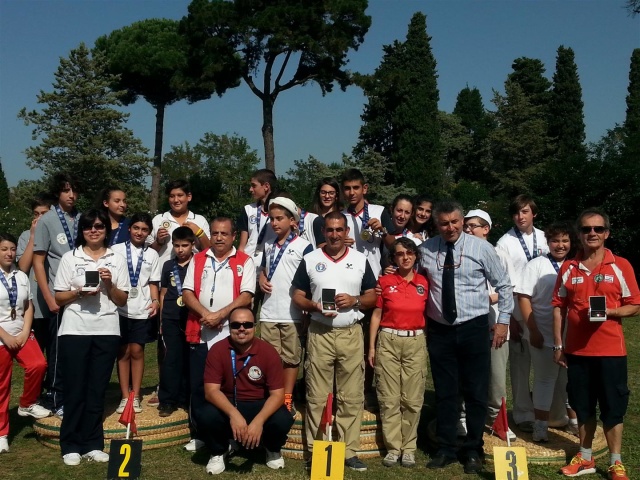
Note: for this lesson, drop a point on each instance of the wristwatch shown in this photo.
(557, 348)
(357, 304)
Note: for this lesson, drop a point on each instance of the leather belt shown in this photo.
(403, 333)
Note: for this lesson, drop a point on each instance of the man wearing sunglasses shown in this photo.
(458, 267)
(244, 388)
(594, 349)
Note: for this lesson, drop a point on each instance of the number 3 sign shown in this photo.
(327, 461)
(125, 459)
(510, 463)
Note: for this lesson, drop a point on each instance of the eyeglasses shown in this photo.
(442, 265)
(98, 226)
(327, 193)
(471, 226)
(406, 253)
(597, 229)
(245, 325)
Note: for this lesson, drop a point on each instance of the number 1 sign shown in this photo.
(327, 461)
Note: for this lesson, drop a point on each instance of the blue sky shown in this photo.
(474, 43)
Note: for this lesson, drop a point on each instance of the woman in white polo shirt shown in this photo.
(89, 335)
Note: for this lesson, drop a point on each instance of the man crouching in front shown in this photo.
(244, 388)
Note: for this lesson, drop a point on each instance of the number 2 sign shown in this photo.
(125, 459)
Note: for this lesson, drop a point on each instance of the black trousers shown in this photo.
(460, 359)
(214, 427)
(53, 380)
(197, 360)
(86, 363)
(174, 374)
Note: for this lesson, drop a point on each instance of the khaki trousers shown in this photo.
(335, 353)
(401, 369)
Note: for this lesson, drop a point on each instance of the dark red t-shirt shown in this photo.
(262, 373)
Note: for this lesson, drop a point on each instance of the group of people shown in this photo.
(372, 290)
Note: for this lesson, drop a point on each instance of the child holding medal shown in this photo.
(142, 305)
(173, 390)
(17, 341)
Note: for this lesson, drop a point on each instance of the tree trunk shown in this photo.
(157, 159)
(267, 133)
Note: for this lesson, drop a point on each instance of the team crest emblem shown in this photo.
(255, 373)
(349, 266)
(173, 280)
(240, 270)
(80, 271)
(253, 219)
(420, 290)
(61, 238)
(321, 267)
(393, 289)
(205, 272)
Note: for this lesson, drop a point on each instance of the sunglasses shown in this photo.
(97, 226)
(598, 229)
(245, 325)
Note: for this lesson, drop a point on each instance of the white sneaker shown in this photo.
(4, 444)
(274, 460)
(391, 459)
(572, 429)
(35, 411)
(121, 407)
(215, 465)
(512, 436)
(71, 459)
(194, 445)
(59, 413)
(96, 456)
(408, 460)
(540, 433)
(136, 405)
(461, 428)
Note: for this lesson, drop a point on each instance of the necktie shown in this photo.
(449, 311)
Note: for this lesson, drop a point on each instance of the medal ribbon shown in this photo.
(13, 292)
(365, 215)
(236, 373)
(301, 222)
(554, 263)
(134, 276)
(176, 277)
(273, 264)
(65, 227)
(524, 245)
(261, 232)
(114, 239)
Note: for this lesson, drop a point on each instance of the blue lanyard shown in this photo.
(405, 232)
(365, 215)
(114, 239)
(13, 293)
(65, 227)
(301, 222)
(134, 276)
(176, 277)
(524, 245)
(273, 264)
(215, 275)
(554, 263)
(235, 374)
(261, 232)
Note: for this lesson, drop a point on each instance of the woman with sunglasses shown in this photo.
(398, 352)
(91, 283)
(17, 341)
(594, 292)
(326, 199)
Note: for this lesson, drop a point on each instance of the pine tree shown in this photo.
(81, 131)
(632, 119)
(4, 189)
(401, 117)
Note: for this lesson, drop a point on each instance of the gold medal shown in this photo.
(166, 224)
(180, 302)
(365, 235)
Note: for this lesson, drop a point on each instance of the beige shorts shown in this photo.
(285, 338)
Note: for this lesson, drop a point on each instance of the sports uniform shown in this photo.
(166, 220)
(255, 221)
(335, 344)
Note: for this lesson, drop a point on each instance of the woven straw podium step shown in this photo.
(156, 432)
(557, 451)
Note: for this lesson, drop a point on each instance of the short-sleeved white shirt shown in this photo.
(257, 218)
(136, 308)
(166, 220)
(14, 326)
(308, 233)
(538, 281)
(90, 314)
(510, 244)
(277, 305)
(215, 298)
(371, 249)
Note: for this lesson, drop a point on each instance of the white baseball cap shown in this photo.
(288, 204)
(480, 214)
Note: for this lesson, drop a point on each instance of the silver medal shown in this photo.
(133, 293)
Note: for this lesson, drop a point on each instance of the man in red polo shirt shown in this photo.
(244, 388)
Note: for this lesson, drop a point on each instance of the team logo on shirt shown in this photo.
(172, 279)
(349, 266)
(608, 279)
(240, 270)
(420, 290)
(205, 272)
(253, 219)
(576, 280)
(393, 289)
(61, 238)
(255, 373)
(80, 271)
(321, 267)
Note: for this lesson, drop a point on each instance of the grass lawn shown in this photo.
(28, 459)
